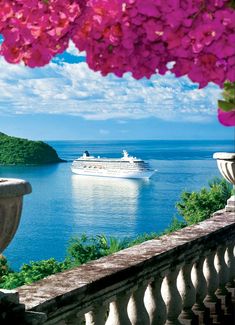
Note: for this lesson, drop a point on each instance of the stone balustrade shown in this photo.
(186, 277)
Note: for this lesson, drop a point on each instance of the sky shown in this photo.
(65, 100)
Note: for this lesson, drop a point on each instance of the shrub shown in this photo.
(30, 273)
(198, 206)
(175, 225)
(84, 249)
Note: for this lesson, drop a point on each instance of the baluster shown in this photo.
(118, 310)
(77, 319)
(154, 302)
(97, 315)
(188, 295)
(222, 293)
(172, 298)
(230, 261)
(200, 285)
(211, 300)
(136, 309)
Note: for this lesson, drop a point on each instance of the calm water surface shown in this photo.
(63, 205)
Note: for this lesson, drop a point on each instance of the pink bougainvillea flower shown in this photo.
(154, 33)
(204, 65)
(5, 12)
(34, 31)
(121, 36)
(11, 53)
(203, 36)
(147, 8)
(226, 118)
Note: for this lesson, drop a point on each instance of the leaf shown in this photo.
(226, 106)
(232, 4)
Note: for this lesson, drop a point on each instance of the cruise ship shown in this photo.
(124, 167)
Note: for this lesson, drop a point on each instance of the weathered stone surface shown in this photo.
(10, 211)
(12, 187)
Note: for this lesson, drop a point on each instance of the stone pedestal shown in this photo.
(226, 165)
(11, 200)
(230, 207)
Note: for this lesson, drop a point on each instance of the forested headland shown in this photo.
(18, 151)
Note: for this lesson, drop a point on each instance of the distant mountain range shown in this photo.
(18, 151)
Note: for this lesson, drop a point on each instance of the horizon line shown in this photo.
(97, 140)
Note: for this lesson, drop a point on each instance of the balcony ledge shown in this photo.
(80, 289)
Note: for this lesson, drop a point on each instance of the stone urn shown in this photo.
(11, 200)
(226, 165)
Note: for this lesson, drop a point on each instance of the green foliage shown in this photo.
(198, 206)
(31, 272)
(114, 245)
(83, 249)
(175, 225)
(228, 94)
(141, 238)
(232, 4)
(17, 151)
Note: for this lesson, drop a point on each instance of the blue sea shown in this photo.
(63, 205)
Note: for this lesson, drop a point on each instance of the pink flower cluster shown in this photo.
(226, 118)
(120, 36)
(188, 37)
(142, 37)
(36, 30)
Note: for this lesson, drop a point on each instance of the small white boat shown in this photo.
(124, 167)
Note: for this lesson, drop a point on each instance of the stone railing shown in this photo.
(186, 277)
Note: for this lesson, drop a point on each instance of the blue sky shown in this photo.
(66, 100)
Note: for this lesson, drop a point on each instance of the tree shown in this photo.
(198, 206)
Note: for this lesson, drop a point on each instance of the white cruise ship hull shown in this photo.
(118, 174)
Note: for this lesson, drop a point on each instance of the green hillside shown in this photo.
(17, 151)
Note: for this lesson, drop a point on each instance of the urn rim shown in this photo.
(12, 187)
(224, 155)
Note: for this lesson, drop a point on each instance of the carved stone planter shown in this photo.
(226, 165)
(11, 199)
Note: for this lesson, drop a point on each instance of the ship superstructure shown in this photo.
(124, 167)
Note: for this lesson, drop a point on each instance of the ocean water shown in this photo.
(63, 205)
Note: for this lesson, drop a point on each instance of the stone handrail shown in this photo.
(186, 277)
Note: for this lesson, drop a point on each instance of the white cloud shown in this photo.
(73, 50)
(73, 89)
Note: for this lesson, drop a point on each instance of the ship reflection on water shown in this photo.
(108, 202)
